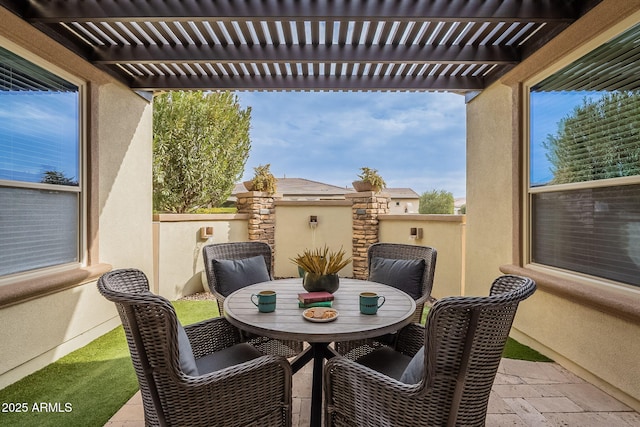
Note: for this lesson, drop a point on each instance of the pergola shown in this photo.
(354, 45)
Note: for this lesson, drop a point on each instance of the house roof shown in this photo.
(437, 45)
(401, 193)
(299, 187)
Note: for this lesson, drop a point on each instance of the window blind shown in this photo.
(38, 228)
(593, 231)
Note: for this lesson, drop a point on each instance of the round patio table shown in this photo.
(286, 322)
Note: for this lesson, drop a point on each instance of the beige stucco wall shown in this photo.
(293, 233)
(179, 263)
(490, 199)
(591, 340)
(125, 189)
(41, 330)
(445, 233)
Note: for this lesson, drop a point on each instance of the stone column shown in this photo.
(262, 217)
(366, 206)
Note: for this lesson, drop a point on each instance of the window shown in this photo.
(584, 164)
(40, 168)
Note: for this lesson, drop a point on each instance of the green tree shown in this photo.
(200, 146)
(598, 140)
(57, 177)
(436, 202)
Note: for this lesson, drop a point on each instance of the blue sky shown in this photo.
(547, 110)
(38, 133)
(413, 139)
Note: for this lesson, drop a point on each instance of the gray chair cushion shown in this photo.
(415, 369)
(187, 360)
(404, 274)
(234, 274)
(230, 356)
(386, 361)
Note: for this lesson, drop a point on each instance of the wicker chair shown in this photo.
(243, 250)
(233, 385)
(400, 252)
(463, 342)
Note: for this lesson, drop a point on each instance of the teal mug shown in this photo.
(370, 302)
(266, 301)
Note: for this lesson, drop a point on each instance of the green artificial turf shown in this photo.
(515, 350)
(86, 387)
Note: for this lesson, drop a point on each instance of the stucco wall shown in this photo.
(490, 201)
(293, 233)
(179, 262)
(445, 233)
(583, 334)
(40, 330)
(124, 132)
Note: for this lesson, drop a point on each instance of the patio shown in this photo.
(524, 394)
(493, 53)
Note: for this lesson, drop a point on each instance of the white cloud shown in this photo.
(415, 140)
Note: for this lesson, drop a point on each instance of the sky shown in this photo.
(414, 139)
(547, 110)
(38, 133)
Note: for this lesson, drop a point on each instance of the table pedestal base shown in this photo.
(318, 351)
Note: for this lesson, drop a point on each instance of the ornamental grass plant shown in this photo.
(322, 261)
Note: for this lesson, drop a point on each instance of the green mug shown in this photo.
(370, 302)
(266, 301)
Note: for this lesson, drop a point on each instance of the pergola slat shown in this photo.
(444, 10)
(321, 53)
(455, 45)
(294, 83)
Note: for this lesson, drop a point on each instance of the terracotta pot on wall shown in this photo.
(364, 186)
(248, 185)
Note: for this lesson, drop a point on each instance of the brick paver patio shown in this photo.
(524, 394)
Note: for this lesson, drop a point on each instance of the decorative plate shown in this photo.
(320, 315)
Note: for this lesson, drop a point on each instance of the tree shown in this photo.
(200, 146)
(598, 140)
(436, 202)
(57, 177)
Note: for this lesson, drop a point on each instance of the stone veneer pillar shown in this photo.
(262, 217)
(366, 206)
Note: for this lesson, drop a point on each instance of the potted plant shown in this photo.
(263, 180)
(321, 267)
(370, 180)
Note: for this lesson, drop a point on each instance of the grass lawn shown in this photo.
(86, 387)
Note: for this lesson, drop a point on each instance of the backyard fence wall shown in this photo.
(178, 240)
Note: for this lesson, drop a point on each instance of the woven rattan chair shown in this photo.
(237, 251)
(397, 251)
(234, 385)
(463, 343)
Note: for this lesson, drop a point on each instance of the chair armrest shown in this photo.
(220, 300)
(232, 393)
(410, 339)
(359, 377)
(212, 335)
(357, 394)
(425, 300)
